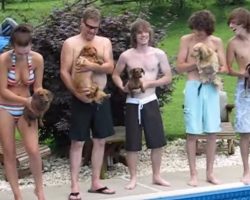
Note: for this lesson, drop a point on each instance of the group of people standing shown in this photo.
(21, 68)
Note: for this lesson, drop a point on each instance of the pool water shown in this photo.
(239, 193)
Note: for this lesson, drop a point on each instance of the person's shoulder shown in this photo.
(216, 39)
(102, 39)
(186, 37)
(36, 55)
(127, 53)
(72, 40)
(157, 51)
(5, 55)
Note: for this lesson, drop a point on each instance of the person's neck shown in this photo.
(200, 39)
(142, 48)
(245, 37)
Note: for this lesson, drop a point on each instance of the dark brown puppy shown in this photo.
(247, 80)
(84, 79)
(40, 103)
(134, 81)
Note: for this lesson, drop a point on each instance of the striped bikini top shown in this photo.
(12, 72)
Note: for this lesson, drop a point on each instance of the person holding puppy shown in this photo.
(238, 49)
(142, 110)
(202, 112)
(87, 115)
(21, 69)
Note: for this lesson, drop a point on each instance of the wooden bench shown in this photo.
(227, 130)
(22, 157)
(113, 147)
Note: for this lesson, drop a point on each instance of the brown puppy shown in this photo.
(134, 81)
(40, 103)
(83, 80)
(207, 64)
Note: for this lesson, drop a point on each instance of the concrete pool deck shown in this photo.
(229, 176)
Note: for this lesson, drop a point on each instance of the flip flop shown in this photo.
(101, 190)
(74, 194)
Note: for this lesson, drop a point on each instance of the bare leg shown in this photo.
(97, 160)
(131, 158)
(156, 165)
(244, 149)
(211, 149)
(7, 139)
(30, 139)
(191, 153)
(75, 164)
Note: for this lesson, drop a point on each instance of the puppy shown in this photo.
(246, 79)
(83, 80)
(207, 64)
(134, 81)
(40, 103)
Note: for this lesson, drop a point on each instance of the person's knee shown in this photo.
(191, 138)
(32, 152)
(211, 137)
(99, 142)
(76, 145)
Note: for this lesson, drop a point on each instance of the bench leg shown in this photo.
(231, 148)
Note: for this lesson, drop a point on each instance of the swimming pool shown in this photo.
(239, 193)
(230, 191)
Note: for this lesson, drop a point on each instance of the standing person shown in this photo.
(238, 49)
(202, 112)
(142, 111)
(20, 69)
(86, 115)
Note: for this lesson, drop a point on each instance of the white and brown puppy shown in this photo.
(207, 64)
(40, 103)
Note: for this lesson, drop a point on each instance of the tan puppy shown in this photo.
(207, 64)
(83, 80)
(134, 80)
(40, 103)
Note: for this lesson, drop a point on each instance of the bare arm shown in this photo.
(39, 63)
(166, 70)
(108, 65)
(4, 91)
(67, 60)
(221, 57)
(182, 65)
(230, 56)
(120, 66)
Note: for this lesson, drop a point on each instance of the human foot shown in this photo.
(40, 195)
(211, 179)
(160, 181)
(74, 196)
(246, 179)
(193, 181)
(131, 185)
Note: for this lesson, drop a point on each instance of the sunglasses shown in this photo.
(91, 27)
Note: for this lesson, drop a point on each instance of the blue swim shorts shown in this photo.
(201, 110)
(242, 106)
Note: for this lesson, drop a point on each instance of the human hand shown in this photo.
(28, 105)
(83, 95)
(125, 88)
(83, 64)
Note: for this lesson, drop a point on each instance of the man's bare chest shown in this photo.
(148, 63)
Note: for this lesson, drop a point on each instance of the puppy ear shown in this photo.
(131, 72)
(142, 70)
(50, 95)
(205, 52)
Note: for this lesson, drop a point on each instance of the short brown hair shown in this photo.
(202, 20)
(91, 13)
(140, 25)
(241, 16)
(21, 35)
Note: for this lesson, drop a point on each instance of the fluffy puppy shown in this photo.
(83, 80)
(134, 81)
(207, 64)
(247, 80)
(40, 103)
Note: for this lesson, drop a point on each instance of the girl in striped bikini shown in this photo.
(21, 69)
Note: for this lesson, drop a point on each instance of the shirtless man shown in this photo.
(142, 111)
(238, 49)
(84, 113)
(198, 107)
